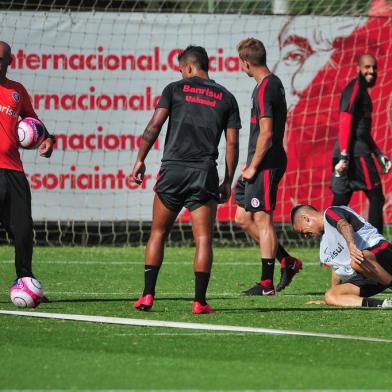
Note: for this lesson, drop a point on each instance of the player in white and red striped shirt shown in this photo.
(360, 256)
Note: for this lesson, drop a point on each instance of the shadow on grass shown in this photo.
(322, 308)
(266, 309)
(129, 299)
(87, 300)
(302, 294)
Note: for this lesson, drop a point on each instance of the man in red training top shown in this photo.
(15, 196)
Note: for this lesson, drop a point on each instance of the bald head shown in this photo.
(364, 58)
(5, 59)
(367, 69)
(5, 48)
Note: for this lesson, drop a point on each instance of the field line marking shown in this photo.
(162, 295)
(130, 295)
(194, 390)
(182, 325)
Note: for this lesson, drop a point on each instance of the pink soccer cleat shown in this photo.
(198, 308)
(144, 303)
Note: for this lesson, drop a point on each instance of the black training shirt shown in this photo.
(268, 100)
(200, 110)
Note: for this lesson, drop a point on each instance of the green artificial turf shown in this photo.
(53, 354)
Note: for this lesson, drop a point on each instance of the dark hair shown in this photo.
(299, 207)
(252, 50)
(196, 55)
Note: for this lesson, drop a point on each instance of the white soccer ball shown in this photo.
(26, 293)
(31, 133)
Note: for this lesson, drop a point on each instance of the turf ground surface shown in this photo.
(52, 354)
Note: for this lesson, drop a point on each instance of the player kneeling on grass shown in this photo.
(199, 110)
(360, 256)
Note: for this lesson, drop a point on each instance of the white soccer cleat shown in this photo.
(387, 303)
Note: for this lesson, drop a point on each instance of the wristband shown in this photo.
(344, 157)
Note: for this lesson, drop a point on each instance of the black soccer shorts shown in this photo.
(183, 185)
(239, 193)
(362, 174)
(260, 193)
(383, 253)
(367, 287)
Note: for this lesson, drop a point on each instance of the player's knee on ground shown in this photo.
(330, 297)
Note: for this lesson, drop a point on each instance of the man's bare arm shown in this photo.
(263, 141)
(231, 161)
(262, 145)
(347, 231)
(232, 152)
(151, 132)
(148, 139)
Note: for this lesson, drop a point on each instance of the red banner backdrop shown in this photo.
(312, 126)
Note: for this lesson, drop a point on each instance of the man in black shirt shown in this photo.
(353, 165)
(199, 110)
(265, 166)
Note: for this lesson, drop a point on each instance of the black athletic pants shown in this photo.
(376, 203)
(15, 216)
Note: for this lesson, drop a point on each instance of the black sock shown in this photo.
(267, 269)
(281, 253)
(150, 278)
(372, 302)
(201, 284)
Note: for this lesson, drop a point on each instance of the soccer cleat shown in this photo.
(198, 308)
(259, 289)
(145, 302)
(387, 303)
(288, 268)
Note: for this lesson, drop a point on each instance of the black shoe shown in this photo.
(288, 268)
(259, 289)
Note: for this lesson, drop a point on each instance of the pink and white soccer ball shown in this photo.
(26, 293)
(31, 133)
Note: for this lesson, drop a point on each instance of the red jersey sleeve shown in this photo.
(347, 108)
(265, 100)
(26, 109)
